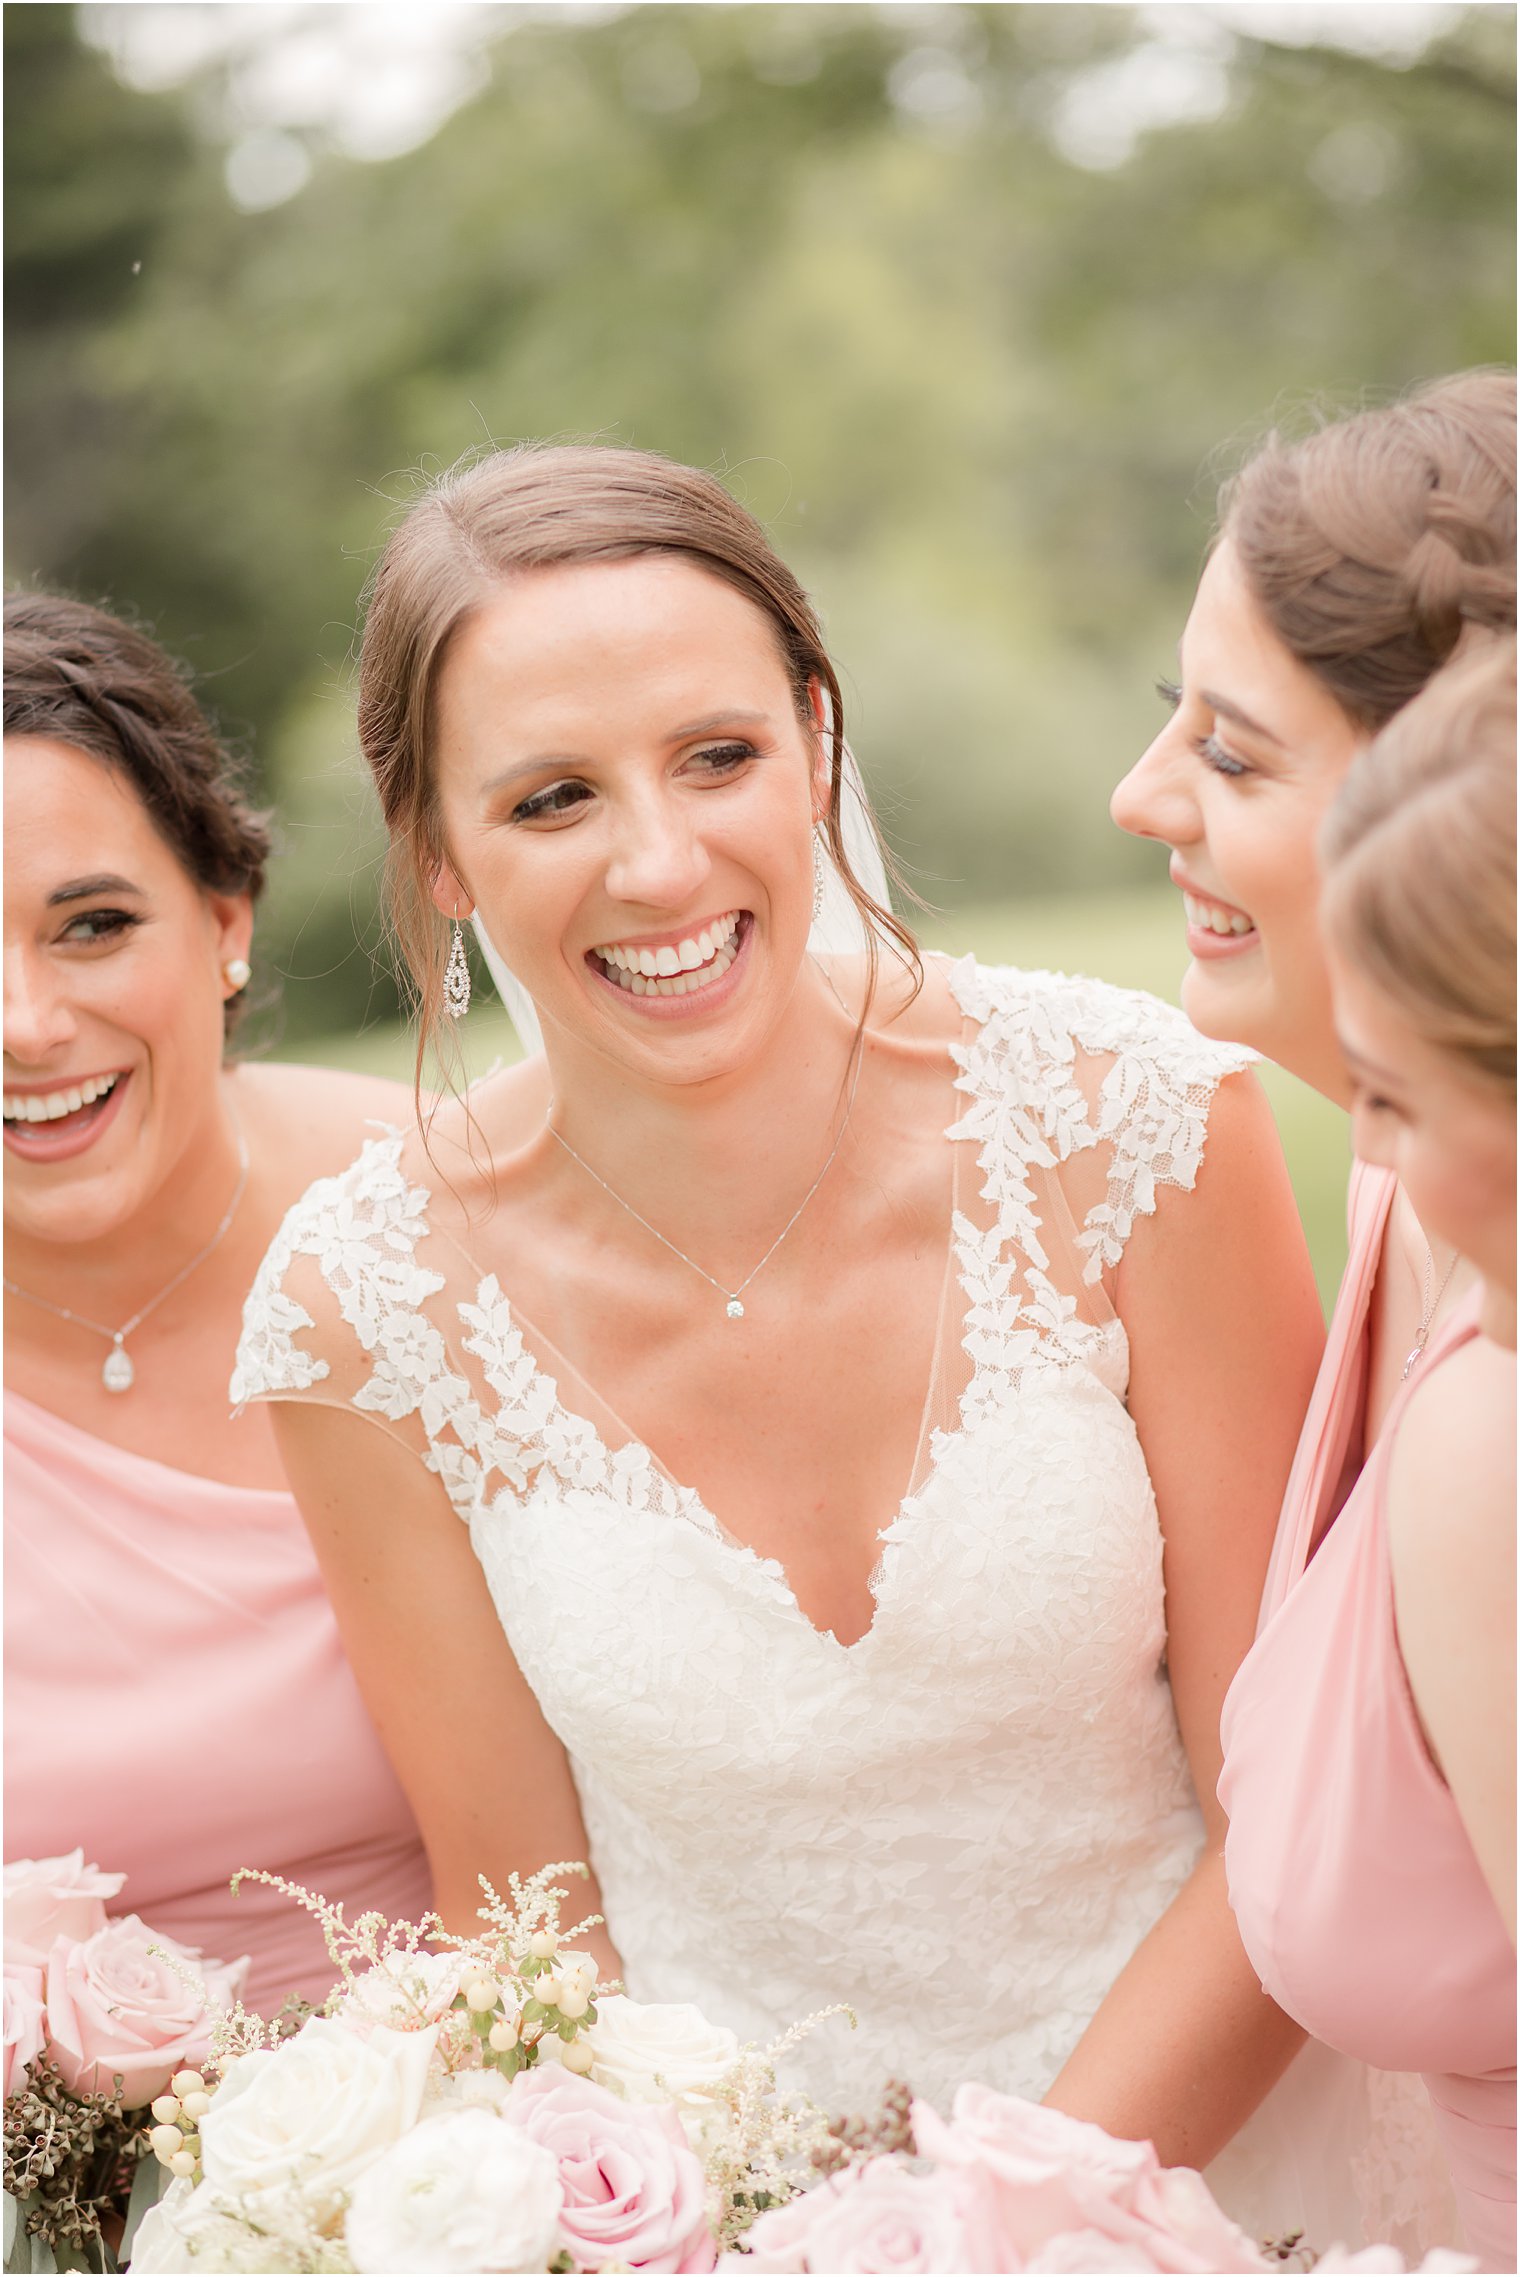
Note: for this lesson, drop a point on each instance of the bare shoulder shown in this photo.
(1451, 1479)
(312, 1121)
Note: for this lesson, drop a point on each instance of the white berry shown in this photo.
(482, 1996)
(543, 1945)
(576, 2055)
(165, 2109)
(573, 2000)
(503, 2035)
(167, 2142)
(187, 2083)
(197, 2103)
(183, 2164)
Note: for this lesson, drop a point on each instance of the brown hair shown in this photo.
(1372, 544)
(1419, 850)
(536, 507)
(76, 675)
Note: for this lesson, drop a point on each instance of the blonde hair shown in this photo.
(1419, 850)
(1374, 543)
(537, 507)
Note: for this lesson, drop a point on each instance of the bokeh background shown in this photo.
(973, 305)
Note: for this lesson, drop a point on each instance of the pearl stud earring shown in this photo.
(237, 972)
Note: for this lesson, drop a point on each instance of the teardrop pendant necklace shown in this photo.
(118, 1373)
(1428, 1312)
(733, 1299)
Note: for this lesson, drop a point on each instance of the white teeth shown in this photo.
(1210, 918)
(51, 1106)
(679, 983)
(677, 968)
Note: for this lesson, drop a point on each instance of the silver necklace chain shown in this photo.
(118, 1373)
(1428, 1312)
(733, 1298)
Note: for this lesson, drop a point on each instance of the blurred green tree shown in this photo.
(952, 317)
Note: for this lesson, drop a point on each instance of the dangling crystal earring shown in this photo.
(456, 978)
(820, 875)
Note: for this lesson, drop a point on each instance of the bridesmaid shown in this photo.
(1371, 1773)
(177, 1702)
(1347, 568)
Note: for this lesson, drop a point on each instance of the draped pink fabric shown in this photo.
(1357, 1892)
(177, 1701)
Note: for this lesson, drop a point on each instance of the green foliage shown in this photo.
(839, 253)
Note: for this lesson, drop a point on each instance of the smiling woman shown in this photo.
(1348, 569)
(155, 1564)
(952, 1523)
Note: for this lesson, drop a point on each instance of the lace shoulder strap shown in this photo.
(342, 1264)
(1061, 1064)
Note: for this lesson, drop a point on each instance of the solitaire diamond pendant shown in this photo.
(118, 1374)
(734, 1309)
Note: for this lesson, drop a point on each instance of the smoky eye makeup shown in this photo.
(553, 802)
(87, 928)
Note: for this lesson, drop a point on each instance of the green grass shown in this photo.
(1132, 938)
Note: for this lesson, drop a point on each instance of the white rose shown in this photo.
(663, 2052)
(464, 2191)
(193, 2233)
(49, 1898)
(311, 2114)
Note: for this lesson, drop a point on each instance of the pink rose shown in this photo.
(114, 2006)
(1052, 2178)
(48, 1898)
(635, 2194)
(881, 2217)
(25, 2023)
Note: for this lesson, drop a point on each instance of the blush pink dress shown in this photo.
(177, 1702)
(1357, 1892)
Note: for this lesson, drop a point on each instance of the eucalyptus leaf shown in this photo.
(149, 2183)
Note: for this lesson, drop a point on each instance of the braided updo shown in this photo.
(75, 675)
(1372, 544)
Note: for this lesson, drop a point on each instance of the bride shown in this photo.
(867, 1383)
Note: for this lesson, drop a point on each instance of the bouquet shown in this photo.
(473, 2104)
(485, 2104)
(101, 2016)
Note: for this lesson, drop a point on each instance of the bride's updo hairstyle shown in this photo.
(541, 507)
(76, 675)
(1419, 851)
(1371, 545)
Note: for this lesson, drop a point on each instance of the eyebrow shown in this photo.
(536, 766)
(1227, 710)
(1354, 1058)
(85, 889)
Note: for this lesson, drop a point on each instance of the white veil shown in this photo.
(837, 930)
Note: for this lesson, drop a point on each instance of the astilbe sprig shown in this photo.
(770, 2145)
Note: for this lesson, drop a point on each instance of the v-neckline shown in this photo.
(552, 1369)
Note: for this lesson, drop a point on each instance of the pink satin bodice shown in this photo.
(1358, 1895)
(177, 1701)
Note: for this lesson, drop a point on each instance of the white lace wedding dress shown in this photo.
(964, 1823)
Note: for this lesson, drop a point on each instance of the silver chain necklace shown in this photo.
(733, 1298)
(118, 1374)
(1427, 1313)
